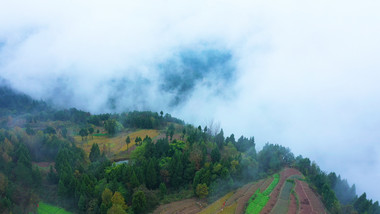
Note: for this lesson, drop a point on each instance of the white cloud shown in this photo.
(307, 71)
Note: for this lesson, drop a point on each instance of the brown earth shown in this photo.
(305, 206)
(292, 209)
(284, 174)
(315, 202)
(243, 200)
(309, 203)
(188, 206)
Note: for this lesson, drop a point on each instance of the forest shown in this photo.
(46, 157)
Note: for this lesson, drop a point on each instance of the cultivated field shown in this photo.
(288, 195)
(284, 175)
(310, 203)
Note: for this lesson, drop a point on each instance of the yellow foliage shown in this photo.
(106, 196)
(217, 205)
(112, 146)
(118, 199)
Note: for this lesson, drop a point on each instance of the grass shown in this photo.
(259, 199)
(217, 205)
(50, 209)
(114, 147)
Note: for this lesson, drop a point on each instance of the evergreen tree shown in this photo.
(83, 133)
(127, 141)
(215, 155)
(139, 201)
(94, 153)
(151, 175)
(134, 181)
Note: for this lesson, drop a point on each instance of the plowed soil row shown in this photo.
(292, 209)
(282, 204)
(285, 173)
(188, 206)
(315, 202)
(309, 201)
(236, 202)
(243, 200)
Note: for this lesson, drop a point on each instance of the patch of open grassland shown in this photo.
(115, 146)
(50, 209)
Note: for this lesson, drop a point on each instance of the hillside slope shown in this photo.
(67, 157)
(290, 195)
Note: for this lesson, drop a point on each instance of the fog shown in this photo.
(301, 74)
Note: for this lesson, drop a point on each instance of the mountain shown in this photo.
(54, 160)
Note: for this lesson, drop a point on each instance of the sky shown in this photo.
(303, 74)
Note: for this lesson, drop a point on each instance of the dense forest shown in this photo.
(182, 161)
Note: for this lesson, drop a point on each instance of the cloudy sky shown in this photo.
(303, 74)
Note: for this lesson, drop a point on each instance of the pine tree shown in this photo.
(139, 202)
(151, 175)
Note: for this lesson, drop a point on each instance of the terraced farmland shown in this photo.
(287, 195)
(258, 200)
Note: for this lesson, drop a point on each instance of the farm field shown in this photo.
(50, 209)
(284, 175)
(236, 201)
(115, 147)
(282, 203)
(310, 203)
(259, 200)
(288, 195)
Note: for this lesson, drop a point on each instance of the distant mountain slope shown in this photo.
(12, 102)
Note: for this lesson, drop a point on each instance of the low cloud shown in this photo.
(301, 74)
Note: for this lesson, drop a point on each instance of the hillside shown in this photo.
(147, 162)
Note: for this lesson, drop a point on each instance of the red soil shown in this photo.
(315, 202)
(243, 197)
(284, 174)
(309, 202)
(292, 209)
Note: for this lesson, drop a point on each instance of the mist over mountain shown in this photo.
(304, 75)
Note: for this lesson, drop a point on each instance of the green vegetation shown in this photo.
(45, 208)
(169, 161)
(258, 200)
